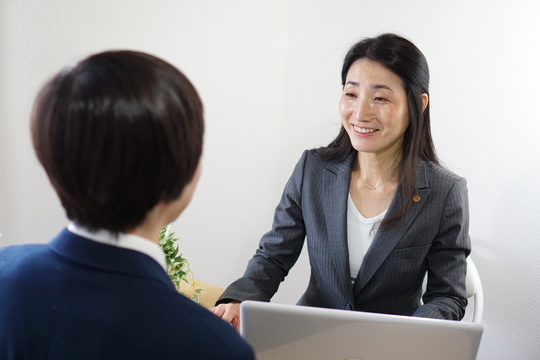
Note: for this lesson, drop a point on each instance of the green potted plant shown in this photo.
(177, 266)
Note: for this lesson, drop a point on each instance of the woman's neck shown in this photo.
(376, 169)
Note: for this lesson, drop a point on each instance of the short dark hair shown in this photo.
(118, 133)
(403, 58)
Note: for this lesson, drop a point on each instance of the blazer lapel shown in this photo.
(387, 238)
(336, 179)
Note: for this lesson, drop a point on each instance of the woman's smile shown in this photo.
(363, 131)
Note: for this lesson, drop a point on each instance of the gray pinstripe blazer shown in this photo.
(433, 237)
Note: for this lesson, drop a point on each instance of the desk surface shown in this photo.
(209, 295)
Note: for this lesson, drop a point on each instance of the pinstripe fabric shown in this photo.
(433, 237)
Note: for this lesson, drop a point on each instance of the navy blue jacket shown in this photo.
(78, 299)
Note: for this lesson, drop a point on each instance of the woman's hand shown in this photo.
(229, 312)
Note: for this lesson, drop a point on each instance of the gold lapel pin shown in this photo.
(416, 198)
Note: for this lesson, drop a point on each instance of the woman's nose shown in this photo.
(362, 108)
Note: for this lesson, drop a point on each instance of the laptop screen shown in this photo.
(278, 331)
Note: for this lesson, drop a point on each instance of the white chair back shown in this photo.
(474, 290)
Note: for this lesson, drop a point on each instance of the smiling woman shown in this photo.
(370, 204)
(373, 108)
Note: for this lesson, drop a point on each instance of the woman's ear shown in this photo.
(425, 101)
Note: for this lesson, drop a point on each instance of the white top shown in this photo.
(360, 234)
(123, 240)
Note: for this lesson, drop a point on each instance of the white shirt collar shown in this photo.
(123, 240)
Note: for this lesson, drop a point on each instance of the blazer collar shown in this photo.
(336, 179)
(107, 257)
(387, 238)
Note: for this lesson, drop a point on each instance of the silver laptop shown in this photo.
(278, 331)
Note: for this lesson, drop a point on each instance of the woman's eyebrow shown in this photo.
(381, 86)
(374, 86)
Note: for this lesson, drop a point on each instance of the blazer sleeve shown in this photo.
(446, 261)
(279, 248)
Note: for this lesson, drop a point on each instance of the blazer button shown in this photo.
(348, 307)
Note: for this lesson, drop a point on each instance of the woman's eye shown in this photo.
(380, 99)
(350, 95)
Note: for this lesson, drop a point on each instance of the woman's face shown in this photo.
(374, 108)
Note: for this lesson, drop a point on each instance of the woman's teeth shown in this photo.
(363, 130)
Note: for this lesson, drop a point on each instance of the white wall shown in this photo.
(268, 72)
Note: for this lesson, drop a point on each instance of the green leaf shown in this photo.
(177, 266)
